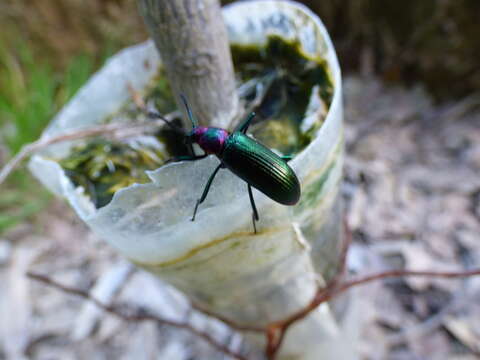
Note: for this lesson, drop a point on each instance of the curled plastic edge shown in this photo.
(139, 221)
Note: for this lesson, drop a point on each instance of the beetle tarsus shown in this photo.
(255, 216)
(207, 188)
(195, 211)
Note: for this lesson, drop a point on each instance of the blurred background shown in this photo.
(412, 95)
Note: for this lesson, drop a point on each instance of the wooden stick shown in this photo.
(192, 40)
(137, 316)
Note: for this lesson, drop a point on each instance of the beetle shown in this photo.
(251, 161)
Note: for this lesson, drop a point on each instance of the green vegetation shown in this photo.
(41, 69)
(31, 92)
(102, 167)
(282, 78)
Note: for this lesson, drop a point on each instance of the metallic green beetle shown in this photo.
(248, 159)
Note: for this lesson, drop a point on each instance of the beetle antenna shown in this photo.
(156, 115)
(189, 111)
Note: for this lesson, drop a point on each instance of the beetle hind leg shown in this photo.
(255, 216)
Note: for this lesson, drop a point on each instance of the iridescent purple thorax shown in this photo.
(210, 139)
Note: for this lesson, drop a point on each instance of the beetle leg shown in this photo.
(243, 127)
(255, 216)
(287, 157)
(186, 158)
(192, 152)
(205, 191)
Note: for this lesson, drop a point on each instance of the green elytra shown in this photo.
(251, 161)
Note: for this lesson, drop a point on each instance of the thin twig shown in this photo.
(277, 331)
(105, 129)
(332, 290)
(136, 97)
(232, 324)
(136, 317)
(402, 273)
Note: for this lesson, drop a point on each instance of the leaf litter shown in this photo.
(412, 195)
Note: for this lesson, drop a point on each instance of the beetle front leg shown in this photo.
(186, 158)
(243, 126)
(255, 216)
(205, 191)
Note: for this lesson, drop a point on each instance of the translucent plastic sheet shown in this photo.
(217, 260)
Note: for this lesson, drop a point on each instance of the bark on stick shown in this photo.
(192, 40)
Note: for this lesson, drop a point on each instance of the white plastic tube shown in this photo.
(217, 260)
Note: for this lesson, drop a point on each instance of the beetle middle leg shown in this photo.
(255, 216)
(205, 191)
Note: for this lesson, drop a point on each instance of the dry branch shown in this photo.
(275, 333)
(136, 316)
(193, 44)
(107, 129)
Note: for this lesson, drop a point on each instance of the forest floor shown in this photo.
(412, 190)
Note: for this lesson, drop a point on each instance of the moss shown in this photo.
(312, 192)
(287, 76)
(102, 167)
